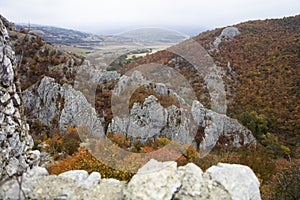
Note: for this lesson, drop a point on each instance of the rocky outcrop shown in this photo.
(150, 121)
(227, 34)
(50, 102)
(15, 142)
(78, 112)
(145, 121)
(128, 83)
(219, 125)
(59, 105)
(62, 103)
(155, 180)
(187, 125)
(192, 187)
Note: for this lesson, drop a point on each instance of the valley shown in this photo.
(104, 49)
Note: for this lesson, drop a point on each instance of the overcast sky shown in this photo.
(100, 16)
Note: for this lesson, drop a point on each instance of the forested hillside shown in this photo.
(263, 81)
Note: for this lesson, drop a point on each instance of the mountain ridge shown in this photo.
(58, 35)
(66, 36)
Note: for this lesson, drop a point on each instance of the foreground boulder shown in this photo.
(238, 180)
(155, 180)
(158, 180)
(75, 184)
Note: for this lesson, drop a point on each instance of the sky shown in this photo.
(111, 16)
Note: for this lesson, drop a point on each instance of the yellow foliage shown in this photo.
(163, 141)
(119, 139)
(190, 152)
(285, 150)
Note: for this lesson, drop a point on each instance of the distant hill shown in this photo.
(143, 36)
(56, 35)
(154, 35)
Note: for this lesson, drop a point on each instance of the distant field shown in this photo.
(107, 53)
(77, 50)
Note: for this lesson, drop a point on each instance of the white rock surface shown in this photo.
(36, 172)
(37, 184)
(93, 178)
(239, 180)
(65, 103)
(191, 180)
(95, 74)
(154, 181)
(76, 175)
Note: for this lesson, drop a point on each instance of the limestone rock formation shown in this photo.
(155, 180)
(145, 120)
(62, 102)
(15, 142)
(49, 101)
(151, 120)
(198, 185)
(219, 125)
(227, 34)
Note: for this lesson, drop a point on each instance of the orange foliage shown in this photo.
(83, 159)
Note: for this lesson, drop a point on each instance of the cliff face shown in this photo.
(63, 103)
(15, 142)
